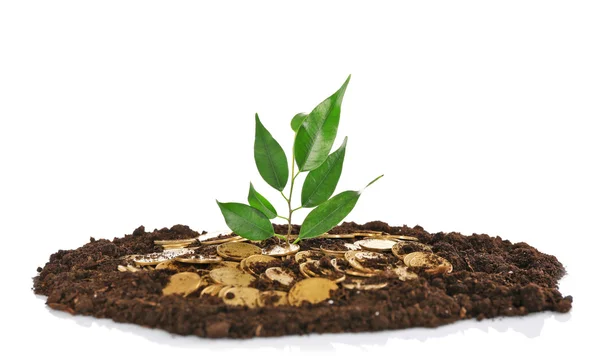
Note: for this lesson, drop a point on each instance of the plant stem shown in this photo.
(289, 197)
(287, 239)
(282, 194)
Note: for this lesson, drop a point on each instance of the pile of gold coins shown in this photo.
(226, 266)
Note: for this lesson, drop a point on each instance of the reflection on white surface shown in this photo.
(529, 326)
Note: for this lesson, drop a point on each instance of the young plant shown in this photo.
(314, 134)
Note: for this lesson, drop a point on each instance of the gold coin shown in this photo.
(334, 263)
(406, 259)
(132, 268)
(223, 290)
(399, 247)
(336, 236)
(305, 271)
(367, 233)
(281, 250)
(350, 271)
(314, 269)
(308, 255)
(174, 246)
(280, 275)
(256, 259)
(402, 237)
(175, 242)
(198, 259)
(211, 290)
(348, 247)
(358, 284)
(230, 276)
(158, 257)
(232, 264)
(353, 272)
(183, 283)
(243, 266)
(434, 263)
(218, 237)
(420, 259)
(167, 265)
(273, 298)
(404, 274)
(312, 290)
(357, 258)
(376, 244)
(241, 296)
(332, 275)
(214, 234)
(237, 251)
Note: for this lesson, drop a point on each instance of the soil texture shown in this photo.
(491, 277)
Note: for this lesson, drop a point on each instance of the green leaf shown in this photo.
(270, 158)
(316, 135)
(330, 213)
(261, 203)
(298, 120)
(246, 221)
(320, 183)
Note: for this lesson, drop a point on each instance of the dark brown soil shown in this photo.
(491, 277)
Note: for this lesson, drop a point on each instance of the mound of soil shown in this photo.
(491, 277)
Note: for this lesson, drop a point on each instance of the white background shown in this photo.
(482, 115)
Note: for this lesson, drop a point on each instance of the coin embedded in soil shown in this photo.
(359, 284)
(406, 259)
(367, 233)
(212, 290)
(305, 271)
(158, 257)
(402, 248)
(223, 290)
(280, 275)
(250, 261)
(281, 250)
(231, 276)
(199, 259)
(356, 259)
(403, 273)
(224, 263)
(241, 296)
(214, 234)
(308, 255)
(237, 251)
(348, 247)
(273, 298)
(167, 265)
(183, 283)
(350, 270)
(400, 237)
(312, 290)
(434, 263)
(376, 244)
(336, 236)
(314, 269)
(172, 244)
(218, 237)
